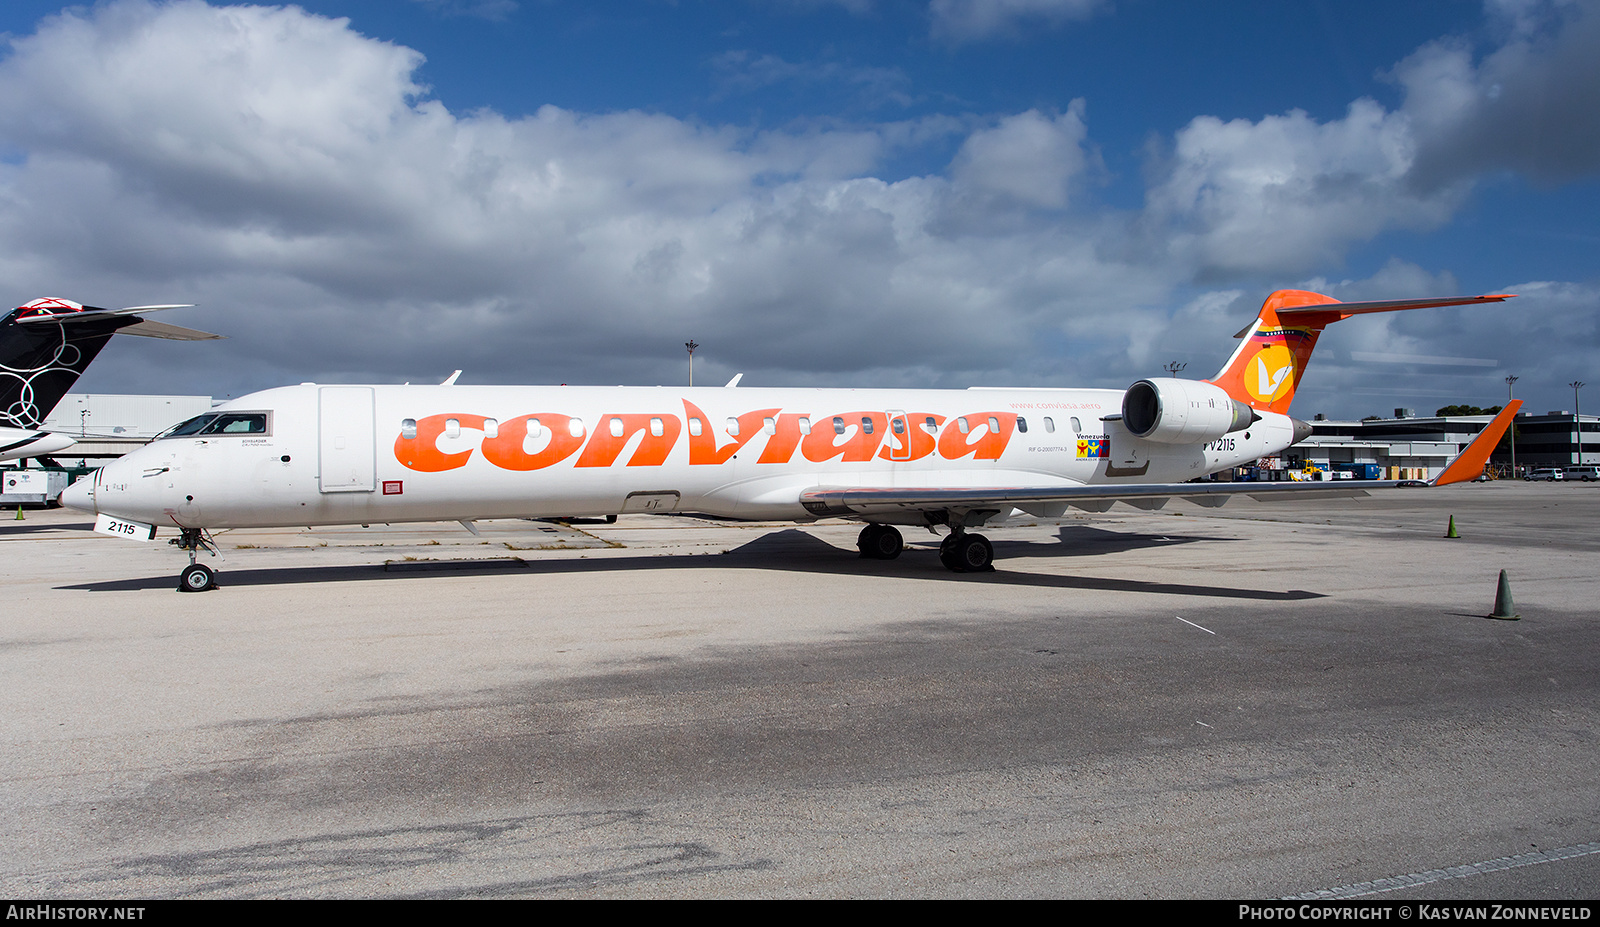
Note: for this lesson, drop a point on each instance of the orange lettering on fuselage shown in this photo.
(653, 449)
(858, 438)
(703, 446)
(422, 452)
(981, 441)
(917, 437)
(784, 439)
(857, 447)
(512, 449)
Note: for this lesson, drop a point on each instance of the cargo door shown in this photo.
(346, 455)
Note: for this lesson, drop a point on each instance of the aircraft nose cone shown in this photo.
(80, 495)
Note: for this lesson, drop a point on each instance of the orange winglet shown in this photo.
(1469, 463)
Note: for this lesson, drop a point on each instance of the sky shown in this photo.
(853, 193)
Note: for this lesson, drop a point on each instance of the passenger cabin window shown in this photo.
(805, 424)
(930, 425)
(1022, 424)
(657, 428)
(733, 427)
(408, 429)
(695, 427)
(575, 427)
(866, 425)
(535, 429)
(838, 425)
(769, 425)
(994, 425)
(491, 428)
(961, 423)
(452, 428)
(1049, 425)
(899, 425)
(1076, 425)
(616, 427)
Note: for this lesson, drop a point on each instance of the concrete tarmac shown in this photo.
(1262, 700)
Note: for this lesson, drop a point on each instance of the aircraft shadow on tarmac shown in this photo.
(788, 550)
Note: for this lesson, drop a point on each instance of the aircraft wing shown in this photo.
(865, 502)
(985, 502)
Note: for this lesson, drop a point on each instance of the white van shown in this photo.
(1582, 473)
(1545, 474)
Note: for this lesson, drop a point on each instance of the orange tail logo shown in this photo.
(1265, 370)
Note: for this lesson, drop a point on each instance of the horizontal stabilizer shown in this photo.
(89, 313)
(1346, 310)
(151, 329)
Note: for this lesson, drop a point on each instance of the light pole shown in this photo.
(1510, 395)
(1577, 418)
(691, 346)
(1174, 368)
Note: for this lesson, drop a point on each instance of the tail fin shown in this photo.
(46, 344)
(1265, 370)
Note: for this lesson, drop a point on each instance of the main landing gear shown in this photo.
(880, 542)
(966, 553)
(196, 577)
(960, 551)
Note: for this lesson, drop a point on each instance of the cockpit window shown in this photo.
(220, 423)
(190, 427)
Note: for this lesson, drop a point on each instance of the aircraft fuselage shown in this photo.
(318, 455)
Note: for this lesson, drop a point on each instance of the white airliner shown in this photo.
(321, 455)
(44, 346)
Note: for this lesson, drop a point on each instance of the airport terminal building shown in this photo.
(1412, 447)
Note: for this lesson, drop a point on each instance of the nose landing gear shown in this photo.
(196, 577)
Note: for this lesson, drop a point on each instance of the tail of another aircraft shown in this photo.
(46, 344)
(1265, 370)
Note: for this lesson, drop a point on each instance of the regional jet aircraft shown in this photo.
(44, 346)
(321, 455)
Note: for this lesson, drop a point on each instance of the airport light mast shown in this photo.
(1577, 418)
(691, 346)
(1511, 386)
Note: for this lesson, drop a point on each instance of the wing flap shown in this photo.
(857, 501)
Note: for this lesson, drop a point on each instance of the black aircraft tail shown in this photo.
(46, 344)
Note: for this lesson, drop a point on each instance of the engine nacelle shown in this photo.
(1174, 411)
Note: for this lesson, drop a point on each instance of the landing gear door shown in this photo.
(346, 458)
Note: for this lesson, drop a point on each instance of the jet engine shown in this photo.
(1174, 411)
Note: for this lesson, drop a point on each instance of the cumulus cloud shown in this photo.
(957, 21)
(278, 162)
(1287, 192)
(1531, 106)
(1029, 158)
(340, 223)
